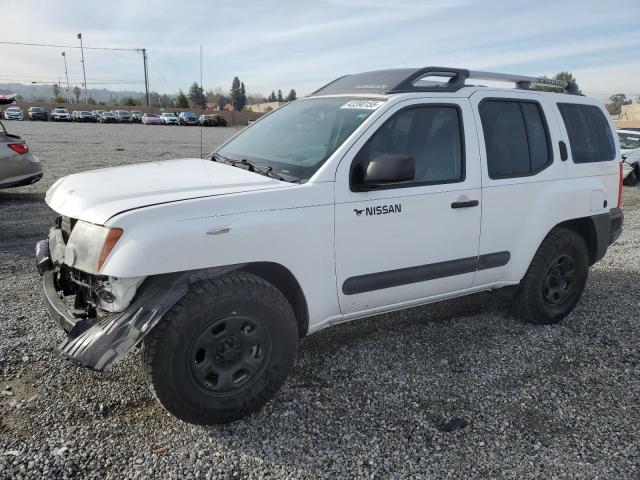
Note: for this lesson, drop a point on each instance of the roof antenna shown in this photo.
(202, 107)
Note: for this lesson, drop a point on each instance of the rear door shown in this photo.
(522, 195)
(407, 242)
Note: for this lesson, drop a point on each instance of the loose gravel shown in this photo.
(460, 389)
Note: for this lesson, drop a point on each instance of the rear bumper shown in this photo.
(19, 170)
(616, 220)
(608, 228)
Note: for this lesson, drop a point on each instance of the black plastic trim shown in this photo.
(422, 273)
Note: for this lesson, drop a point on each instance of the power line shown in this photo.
(70, 46)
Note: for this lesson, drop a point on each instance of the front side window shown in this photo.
(431, 135)
(296, 139)
(515, 138)
(590, 137)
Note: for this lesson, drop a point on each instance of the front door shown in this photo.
(406, 242)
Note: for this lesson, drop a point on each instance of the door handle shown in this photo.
(563, 151)
(467, 204)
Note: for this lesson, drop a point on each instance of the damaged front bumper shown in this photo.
(97, 338)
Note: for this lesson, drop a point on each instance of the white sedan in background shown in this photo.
(13, 113)
(630, 148)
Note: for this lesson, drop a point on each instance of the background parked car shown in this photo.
(37, 113)
(18, 166)
(13, 113)
(60, 114)
(150, 119)
(123, 116)
(169, 118)
(630, 148)
(108, 117)
(212, 120)
(83, 116)
(188, 118)
(137, 116)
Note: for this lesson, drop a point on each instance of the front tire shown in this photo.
(223, 350)
(556, 278)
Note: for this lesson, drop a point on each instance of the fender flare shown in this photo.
(114, 335)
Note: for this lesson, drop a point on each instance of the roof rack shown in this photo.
(403, 80)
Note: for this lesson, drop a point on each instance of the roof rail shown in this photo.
(523, 82)
(404, 80)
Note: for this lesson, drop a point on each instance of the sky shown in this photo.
(303, 45)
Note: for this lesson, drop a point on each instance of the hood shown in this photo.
(98, 195)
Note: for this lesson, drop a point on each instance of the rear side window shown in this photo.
(590, 137)
(516, 138)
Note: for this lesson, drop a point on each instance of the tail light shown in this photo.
(620, 187)
(20, 148)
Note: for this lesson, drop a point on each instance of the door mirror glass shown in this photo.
(389, 168)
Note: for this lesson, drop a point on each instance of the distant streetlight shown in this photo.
(67, 75)
(84, 73)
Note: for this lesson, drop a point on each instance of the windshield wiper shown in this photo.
(255, 167)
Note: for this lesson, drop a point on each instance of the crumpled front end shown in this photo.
(104, 317)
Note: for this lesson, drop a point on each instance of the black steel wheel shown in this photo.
(223, 350)
(555, 279)
(227, 354)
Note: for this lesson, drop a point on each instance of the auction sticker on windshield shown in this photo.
(362, 104)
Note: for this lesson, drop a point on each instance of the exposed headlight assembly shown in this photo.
(89, 246)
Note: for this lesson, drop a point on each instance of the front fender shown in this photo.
(110, 339)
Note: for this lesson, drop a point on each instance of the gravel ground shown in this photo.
(460, 389)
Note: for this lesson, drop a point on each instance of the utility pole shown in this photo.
(146, 74)
(84, 73)
(66, 74)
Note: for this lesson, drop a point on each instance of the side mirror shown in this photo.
(388, 169)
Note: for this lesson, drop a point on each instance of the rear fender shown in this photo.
(114, 335)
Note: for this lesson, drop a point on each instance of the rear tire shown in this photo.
(631, 180)
(555, 279)
(223, 350)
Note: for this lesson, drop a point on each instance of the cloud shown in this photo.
(302, 44)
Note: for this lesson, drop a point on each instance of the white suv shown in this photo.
(60, 114)
(378, 192)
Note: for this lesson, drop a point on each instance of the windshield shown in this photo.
(629, 141)
(37, 109)
(60, 110)
(169, 114)
(13, 109)
(297, 139)
(189, 114)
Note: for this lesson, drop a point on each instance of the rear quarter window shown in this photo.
(589, 133)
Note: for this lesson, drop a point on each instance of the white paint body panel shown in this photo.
(169, 209)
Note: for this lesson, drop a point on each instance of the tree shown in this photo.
(77, 92)
(568, 76)
(181, 100)
(242, 101)
(292, 95)
(615, 103)
(91, 101)
(196, 95)
(217, 97)
(56, 90)
(238, 94)
(129, 102)
(272, 97)
(280, 97)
